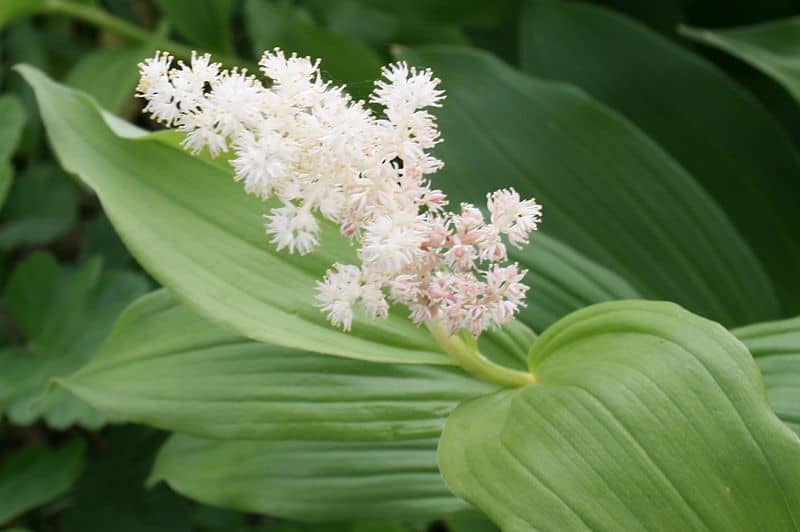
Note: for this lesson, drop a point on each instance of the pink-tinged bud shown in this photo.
(349, 229)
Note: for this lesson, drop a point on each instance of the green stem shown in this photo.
(104, 19)
(474, 362)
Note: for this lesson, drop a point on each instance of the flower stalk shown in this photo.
(468, 357)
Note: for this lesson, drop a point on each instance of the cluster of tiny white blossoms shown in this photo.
(308, 143)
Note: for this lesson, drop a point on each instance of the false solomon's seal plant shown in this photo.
(620, 415)
(308, 143)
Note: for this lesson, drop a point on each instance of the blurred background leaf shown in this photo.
(37, 475)
(772, 47)
(713, 128)
(60, 318)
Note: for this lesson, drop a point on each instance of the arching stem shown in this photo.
(474, 362)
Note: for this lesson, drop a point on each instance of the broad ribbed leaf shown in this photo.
(309, 481)
(607, 190)
(196, 231)
(713, 128)
(772, 47)
(776, 348)
(37, 475)
(164, 365)
(645, 417)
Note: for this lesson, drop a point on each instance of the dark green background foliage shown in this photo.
(661, 138)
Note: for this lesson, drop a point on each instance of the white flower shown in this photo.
(293, 228)
(391, 243)
(512, 216)
(338, 292)
(305, 142)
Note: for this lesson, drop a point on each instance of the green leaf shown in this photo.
(776, 348)
(100, 240)
(469, 521)
(607, 190)
(772, 47)
(111, 495)
(164, 365)
(344, 60)
(63, 318)
(42, 206)
(11, 126)
(203, 22)
(562, 281)
(195, 230)
(380, 29)
(36, 475)
(471, 13)
(309, 481)
(10, 135)
(713, 128)
(645, 417)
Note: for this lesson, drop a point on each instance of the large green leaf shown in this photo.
(62, 317)
(166, 366)
(772, 47)
(645, 417)
(142, 372)
(37, 475)
(309, 481)
(713, 127)
(607, 190)
(776, 348)
(195, 230)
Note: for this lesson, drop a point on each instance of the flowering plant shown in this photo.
(306, 142)
(339, 298)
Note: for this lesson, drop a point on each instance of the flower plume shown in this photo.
(306, 142)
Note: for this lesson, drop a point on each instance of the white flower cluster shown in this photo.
(312, 146)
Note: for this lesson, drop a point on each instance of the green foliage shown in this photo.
(238, 282)
(37, 475)
(714, 129)
(637, 402)
(60, 317)
(205, 23)
(42, 206)
(772, 47)
(608, 190)
(166, 366)
(117, 479)
(776, 348)
(661, 177)
(345, 60)
(310, 481)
